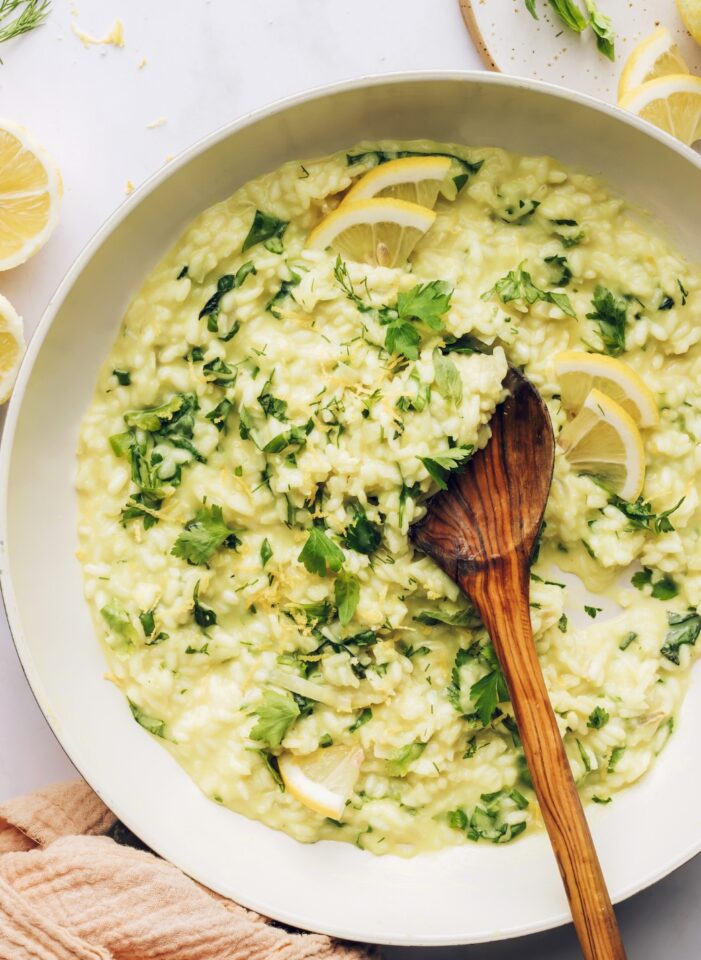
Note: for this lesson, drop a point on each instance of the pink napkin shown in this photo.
(69, 891)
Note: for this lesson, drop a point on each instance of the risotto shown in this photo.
(270, 421)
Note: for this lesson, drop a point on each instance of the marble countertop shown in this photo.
(114, 116)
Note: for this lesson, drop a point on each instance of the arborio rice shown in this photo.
(292, 444)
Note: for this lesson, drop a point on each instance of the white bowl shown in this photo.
(462, 895)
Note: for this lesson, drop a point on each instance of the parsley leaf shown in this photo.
(663, 589)
(565, 273)
(425, 303)
(268, 229)
(266, 552)
(152, 724)
(320, 554)
(362, 534)
(453, 691)
(518, 285)
(224, 284)
(488, 692)
(447, 377)
(640, 514)
(684, 628)
(283, 291)
(119, 622)
(272, 406)
(347, 595)
(204, 535)
(610, 316)
(363, 717)
(398, 764)
(598, 718)
(440, 467)
(218, 415)
(123, 377)
(204, 617)
(276, 713)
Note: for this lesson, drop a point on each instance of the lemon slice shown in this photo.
(380, 232)
(11, 347)
(671, 103)
(690, 11)
(603, 440)
(323, 780)
(578, 373)
(417, 179)
(30, 194)
(655, 56)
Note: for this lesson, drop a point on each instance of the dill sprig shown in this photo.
(32, 13)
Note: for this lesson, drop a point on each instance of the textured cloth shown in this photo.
(69, 891)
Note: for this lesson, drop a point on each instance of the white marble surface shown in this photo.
(208, 62)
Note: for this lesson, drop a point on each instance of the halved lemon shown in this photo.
(11, 346)
(655, 56)
(690, 11)
(672, 103)
(603, 440)
(417, 179)
(577, 373)
(380, 232)
(30, 195)
(323, 780)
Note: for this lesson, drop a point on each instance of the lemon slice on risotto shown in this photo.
(604, 441)
(380, 231)
(417, 179)
(323, 780)
(577, 373)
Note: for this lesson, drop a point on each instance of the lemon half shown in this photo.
(417, 179)
(672, 103)
(577, 373)
(381, 232)
(603, 440)
(30, 195)
(323, 780)
(655, 56)
(11, 347)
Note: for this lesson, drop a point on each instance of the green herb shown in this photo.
(663, 589)
(295, 437)
(666, 303)
(325, 740)
(586, 759)
(123, 377)
(458, 819)
(398, 764)
(362, 535)
(271, 762)
(347, 595)
(684, 628)
(562, 623)
(453, 618)
(320, 554)
(610, 315)
(518, 285)
(592, 611)
(276, 713)
(640, 514)
(183, 272)
(519, 214)
(147, 621)
(603, 30)
(467, 344)
(598, 718)
(409, 651)
(627, 640)
(447, 377)
(218, 416)
(32, 14)
(319, 612)
(425, 303)
(245, 424)
(283, 291)
(204, 617)
(683, 291)
(219, 373)
(564, 272)
(365, 638)
(406, 492)
(204, 649)
(441, 466)
(272, 406)
(362, 718)
(202, 536)
(119, 622)
(616, 755)
(229, 281)
(488, 692)
(603, 800)
(153, 725)
(266, 552)
(266, 229)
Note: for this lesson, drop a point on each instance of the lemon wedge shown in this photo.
(381, 232)
(672, 103)
(578, 373)
(417, 179)
(30, 195)
(655, 56)
(603, 440)
(323, 780)
(690, 11)
(11, 347)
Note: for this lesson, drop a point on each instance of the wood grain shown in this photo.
(482, 532)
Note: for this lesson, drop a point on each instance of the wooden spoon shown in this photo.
(481, 531)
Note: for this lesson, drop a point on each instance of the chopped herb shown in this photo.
(123, 377)
(229, 281)
(119, 622)
(640, 514)
(603, 800)
(592, 611)
(320, 554)
(610, 317)
(320, 612)
(219, 373)
(663, 589)
(204, 617)
(683, 291)
(564, 274)
(598, 718)
(398, 764)
(458, 819)
(202, 536)
(272, 406)
(245, 424)
(586, 759)
(518, 285)
(447, 377)
(218, 416)
(488, 692)
(441, 466)
(666, 303)
(569, 13)
(283, 291)
(627, 640)
(684, 628)
(147, 621)
(183, 272)
(562, 623)
(266, 552)
(409, 651)
(271, 762)
(362, 718)
(520, 213)
(362, 535)
(295, 437)
(276, 713)
(406, 492)
(347, 595)
(616, 755)
(603, 29)
(204, 649)
(326, 740)
(453, 618)
(152, 724)
(267, 229)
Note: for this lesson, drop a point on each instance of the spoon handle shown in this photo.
(500, 593)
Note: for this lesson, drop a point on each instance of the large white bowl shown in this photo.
(474, 893)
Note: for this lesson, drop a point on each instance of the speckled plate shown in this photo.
(509, 40)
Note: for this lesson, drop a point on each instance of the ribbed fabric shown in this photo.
(67, 892)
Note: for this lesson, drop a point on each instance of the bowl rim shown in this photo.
(56, 301)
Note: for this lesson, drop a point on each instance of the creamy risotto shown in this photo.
(272, 418)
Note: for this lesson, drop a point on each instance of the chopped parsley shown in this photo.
(616, 755)
(202, 536)
(219, 373)
(362, 535)
(347, 595)
(123, 377)
(204, 617)
(320, 554)
(212, 307)
(564, 272)
(440, 467)
(663, 589)
(592, 612)
(627, 640)
(271, 763)
(488, 692)
(270, 405)
(684, 292)
(640, 514)
(447, 377)
(598, 718)
(119, 622)
(183, 272)
(562, 623)
(266, 229)
(282, 293)
(684, 628)
(518, 285)
(152, 724)
(362, 718)
(520, 213)
(610, 316)
(266, 552)
(398, 764)
(453, 618)
(425, 303)
(276, 713)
